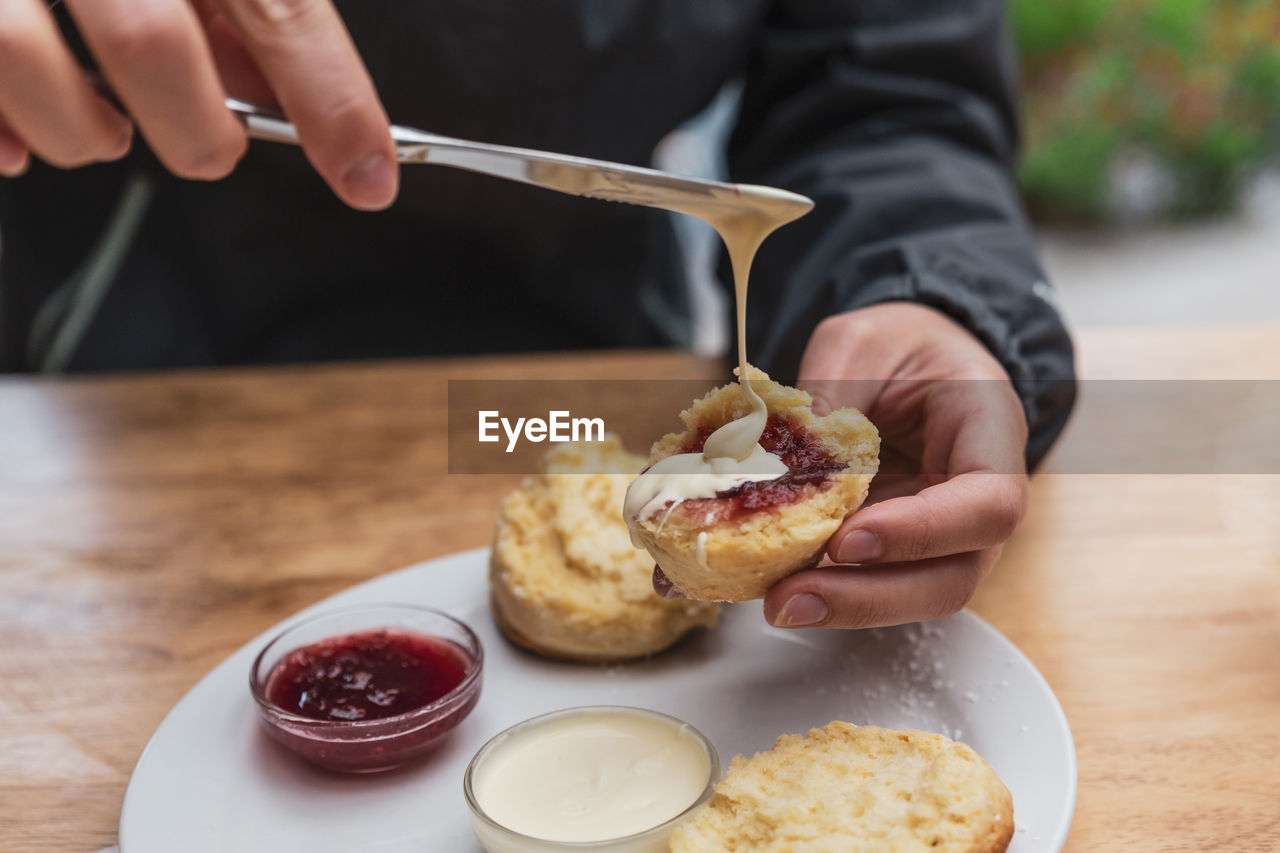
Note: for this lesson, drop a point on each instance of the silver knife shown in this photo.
(580, 176)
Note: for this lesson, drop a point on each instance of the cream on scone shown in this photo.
(565, 580)
(854, 789)
(727, 530)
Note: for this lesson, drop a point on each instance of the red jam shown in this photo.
(366, 676)
(808, 468)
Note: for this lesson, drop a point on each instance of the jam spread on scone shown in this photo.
(809, 468)
(727, 528)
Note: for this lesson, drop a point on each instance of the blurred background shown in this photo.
(1151, 135)
(1150, 164)
(1145, 110)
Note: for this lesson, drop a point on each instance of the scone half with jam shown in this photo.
(736, 543)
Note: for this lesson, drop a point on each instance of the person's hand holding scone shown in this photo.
(952, 483)
(895, 392)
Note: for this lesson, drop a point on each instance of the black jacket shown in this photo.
(897, 117)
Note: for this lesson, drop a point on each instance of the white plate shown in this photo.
(210, 782)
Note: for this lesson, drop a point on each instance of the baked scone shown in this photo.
(565, 580)
(854, 789)
(737, 544)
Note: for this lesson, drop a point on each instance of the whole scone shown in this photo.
(854, 789)
(565, 580)
(735, 548)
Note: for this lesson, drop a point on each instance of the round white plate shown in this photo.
(210, 782)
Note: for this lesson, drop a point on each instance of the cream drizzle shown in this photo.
(732, 454)
(686, 476)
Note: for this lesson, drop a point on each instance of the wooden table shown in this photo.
(150, 525)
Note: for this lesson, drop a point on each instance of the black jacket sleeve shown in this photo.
(898, 119)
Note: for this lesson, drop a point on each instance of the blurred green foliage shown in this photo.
(1191, 88)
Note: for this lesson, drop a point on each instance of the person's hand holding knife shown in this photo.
(171, 63)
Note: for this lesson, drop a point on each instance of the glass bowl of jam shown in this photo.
(367, 688)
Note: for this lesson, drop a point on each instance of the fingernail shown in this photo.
(802, 610)
(821, 405)
(858, 547)
(124, 141)
(663, 586)
(14, 153)
(18, 169)
(371, 183)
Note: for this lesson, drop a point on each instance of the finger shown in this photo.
(974, 437)
(305, 53)
(15, 158)
(973, 425)
(240, 74)
(972, 511)
(46, 101)
(846, 362)
(838, 597)
(831, 394)
(898, 476)
(155, 57)
(663, 586)
(820, 376)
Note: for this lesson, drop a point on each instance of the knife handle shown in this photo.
(265, 123)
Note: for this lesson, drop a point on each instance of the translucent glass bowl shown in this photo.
(368, 746)
(496, 838)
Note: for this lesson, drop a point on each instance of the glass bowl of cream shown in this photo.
(598, 778)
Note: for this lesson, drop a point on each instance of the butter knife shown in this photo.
(714, 201)
(580, 176)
